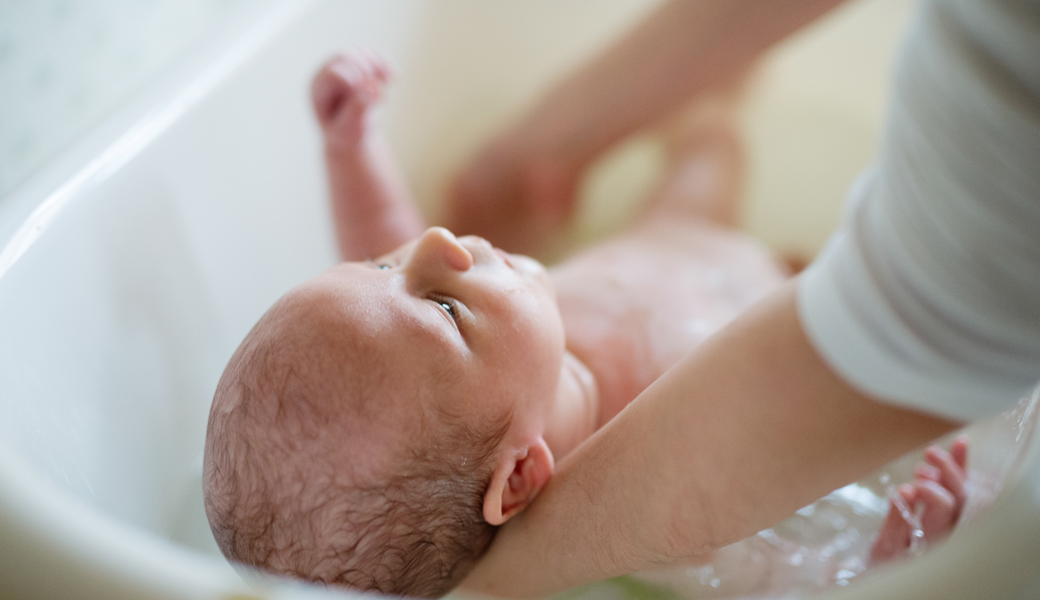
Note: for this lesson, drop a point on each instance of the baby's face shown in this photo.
(456, 315)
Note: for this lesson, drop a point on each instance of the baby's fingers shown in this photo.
(347, 84)
(951, 475)
(894, 537)
(959, 451)
(366, 72)
(940, 509)
(375, 62)
(327, 91)
(927, 471)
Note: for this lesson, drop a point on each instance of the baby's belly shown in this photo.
(630, 344)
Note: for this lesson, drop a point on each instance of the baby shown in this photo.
(382, 419)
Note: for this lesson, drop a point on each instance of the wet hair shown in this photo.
(285, 491)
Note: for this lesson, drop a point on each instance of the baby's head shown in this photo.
(381, 419)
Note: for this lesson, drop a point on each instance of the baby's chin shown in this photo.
(532, 270)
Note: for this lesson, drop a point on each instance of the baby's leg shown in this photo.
(372, 207)
(703, 181)
(940, 487)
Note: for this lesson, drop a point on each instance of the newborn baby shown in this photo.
(381, 419)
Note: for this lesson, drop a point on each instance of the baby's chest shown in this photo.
(653, 315)
(635, 306)
(633, 317)
(644, 289)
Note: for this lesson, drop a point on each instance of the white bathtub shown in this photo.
(132, 265)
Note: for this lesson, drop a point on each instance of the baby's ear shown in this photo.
(517, 479)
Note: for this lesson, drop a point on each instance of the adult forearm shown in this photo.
(682, 48)
(735, 438)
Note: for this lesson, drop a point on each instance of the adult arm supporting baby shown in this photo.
(740, 434)
(926, 300)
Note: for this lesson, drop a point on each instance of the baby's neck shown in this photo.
(576, 411)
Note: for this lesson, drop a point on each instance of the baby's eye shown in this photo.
(383, 267)
(450, 307)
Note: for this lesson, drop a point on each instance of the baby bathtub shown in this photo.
(132, 265)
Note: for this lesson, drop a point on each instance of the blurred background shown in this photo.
(811, 117)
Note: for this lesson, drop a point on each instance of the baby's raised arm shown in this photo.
(372, 207)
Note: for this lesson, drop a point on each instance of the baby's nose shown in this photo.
(440, 247)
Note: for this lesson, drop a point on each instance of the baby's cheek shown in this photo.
(546, 356)
(539, 332)
(530, 336)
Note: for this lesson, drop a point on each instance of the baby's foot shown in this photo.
(519, 199)
(940, 488)
(342, 93)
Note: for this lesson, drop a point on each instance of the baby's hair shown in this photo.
(284, 494)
